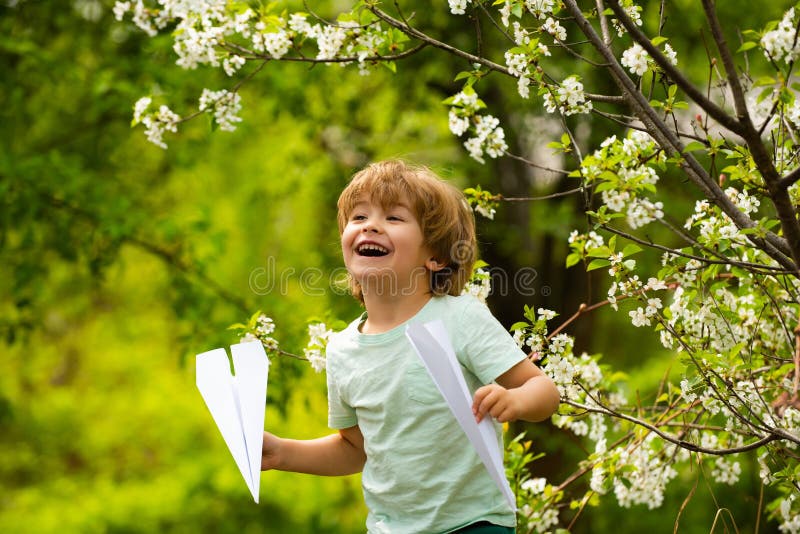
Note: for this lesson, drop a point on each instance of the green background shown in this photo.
(119, 261)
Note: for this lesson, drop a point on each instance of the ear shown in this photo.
(434, 265)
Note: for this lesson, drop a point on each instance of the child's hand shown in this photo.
(270, 452)
(497, 401)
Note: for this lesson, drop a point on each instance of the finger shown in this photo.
(481, 405)
(498, 408)
(505, 417)
(488, 404)
(480, 395)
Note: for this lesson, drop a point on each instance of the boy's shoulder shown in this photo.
(455, 303)
(348, 331)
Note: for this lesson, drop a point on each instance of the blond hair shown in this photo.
(446, 220)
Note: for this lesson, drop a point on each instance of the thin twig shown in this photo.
(349, 59)
(680, 443)
(534, 164)
(764, 269)
(544, 197)
(417, 34)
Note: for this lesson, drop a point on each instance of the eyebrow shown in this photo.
(361, 203)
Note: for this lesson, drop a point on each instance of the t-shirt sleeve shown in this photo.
(340, 414)
(485, 346)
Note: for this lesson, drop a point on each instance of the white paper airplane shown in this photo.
(431, 342)
(237, 402)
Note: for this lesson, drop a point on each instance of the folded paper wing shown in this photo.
(432, 344)
(237, 403)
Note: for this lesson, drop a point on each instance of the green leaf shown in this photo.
(694, 145)
(573, 259)
(600, 252)
(658, 40)
(764, 80)
(605, 186)
(747, 45)
(598, 264)
(630, 249)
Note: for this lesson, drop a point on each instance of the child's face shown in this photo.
(384, 249)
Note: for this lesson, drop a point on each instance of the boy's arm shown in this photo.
(336, 454)
(522, 392)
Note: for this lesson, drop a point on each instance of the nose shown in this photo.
(370, 226)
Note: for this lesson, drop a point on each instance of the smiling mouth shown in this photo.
(371, 250)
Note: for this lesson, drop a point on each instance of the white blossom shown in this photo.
(232, 64)
(523, 87)
(466, 100)
(517, 64)
(458, 7)
(614, 199)
(642, 211)
(480, 286)
(298, 23)
(458, 125)
(653, 305)
(505, 13)
(318, 336)
(316, 358)
(569, 98)
(789, 515)
(655, 284)
(670, 54)
(540, 8)
(330, 40)
(534, 485)
(224, 105)
(521, 36)
(120, 8)
(474, 146)
(634, 13)
(545, 314)
(140, 107)
(164, 120)
(780, 43)
(639, 317)
(485, 211)
(554, 28)
(636, 59)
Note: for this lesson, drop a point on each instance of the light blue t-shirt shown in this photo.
(421, 475)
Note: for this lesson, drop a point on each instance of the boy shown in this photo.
(408, 241)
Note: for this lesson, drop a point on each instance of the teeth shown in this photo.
(370, 246)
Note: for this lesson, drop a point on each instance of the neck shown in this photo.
(384, 312)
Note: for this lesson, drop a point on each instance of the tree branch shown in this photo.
(757, 267)
(671, 143)
(674, 74)
(778, 194)
(679, 442)
(416, 34)
(250, 54)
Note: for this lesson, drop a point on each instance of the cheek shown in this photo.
(347, 239)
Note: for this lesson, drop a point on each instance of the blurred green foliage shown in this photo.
(120, 261)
